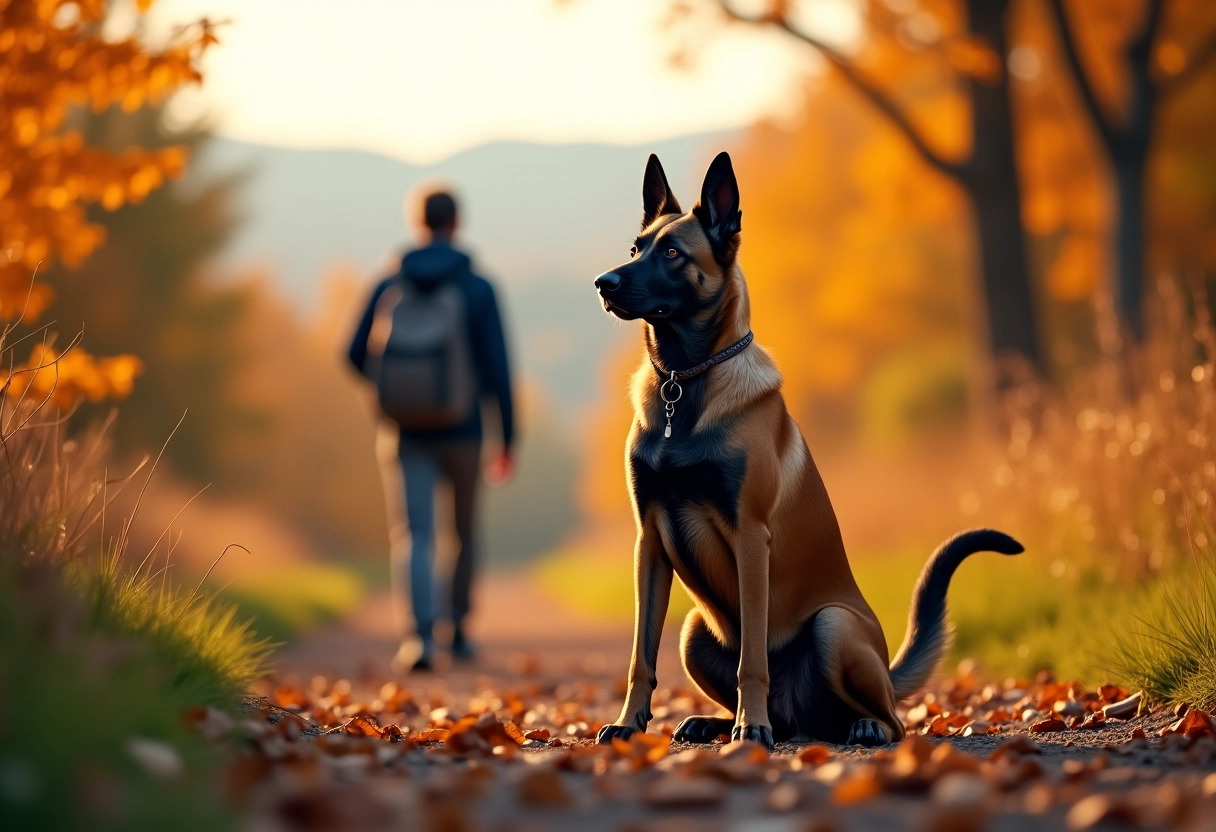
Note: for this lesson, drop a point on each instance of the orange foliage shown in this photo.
(859, 257)
(67, 378)
(54, 59)
(850, 248)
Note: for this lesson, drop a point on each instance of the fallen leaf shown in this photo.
(1048, 725)
(1193, 723)
(431, 735)
(810, 757)
(862, 785)
(362, 726)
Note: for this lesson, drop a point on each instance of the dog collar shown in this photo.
(670, 390)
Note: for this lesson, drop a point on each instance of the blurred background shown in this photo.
(977, 238)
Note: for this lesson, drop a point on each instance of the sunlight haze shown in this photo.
(421, 80)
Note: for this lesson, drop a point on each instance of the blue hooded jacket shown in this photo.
(427, 268)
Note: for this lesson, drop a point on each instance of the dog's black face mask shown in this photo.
(679, 264)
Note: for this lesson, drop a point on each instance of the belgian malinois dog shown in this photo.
(727, 497)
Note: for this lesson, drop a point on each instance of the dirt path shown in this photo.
(549, 670)
(520, 633)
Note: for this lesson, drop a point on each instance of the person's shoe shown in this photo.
(414, 655)
(462, 649)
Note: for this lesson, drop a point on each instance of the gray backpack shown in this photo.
(420, 358)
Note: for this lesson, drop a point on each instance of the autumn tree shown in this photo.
(956, 51)
(55, 59)
(1127, 59)
(149, 290)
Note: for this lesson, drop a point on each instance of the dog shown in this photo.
(727, 498)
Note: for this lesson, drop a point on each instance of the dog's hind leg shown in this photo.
(857, 678)
(714, 669)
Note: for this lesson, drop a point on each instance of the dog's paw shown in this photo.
(756, 733)
(701, 729)
(613, 732)
(867, 732)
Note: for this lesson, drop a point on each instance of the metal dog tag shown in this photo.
(669, 404)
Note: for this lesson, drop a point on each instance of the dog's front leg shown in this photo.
(652, 590)
(751, 558)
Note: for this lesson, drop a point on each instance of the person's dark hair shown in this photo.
(439, 210)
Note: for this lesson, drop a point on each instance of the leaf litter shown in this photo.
(1035, 751)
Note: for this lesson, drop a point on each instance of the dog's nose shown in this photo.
(608, 282)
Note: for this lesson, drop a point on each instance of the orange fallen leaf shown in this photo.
(362, 726)
(945, 725)
(811, 757)
(746, 750)
(862, 785)
(289, 697)
(1194, 723)
(432, 735)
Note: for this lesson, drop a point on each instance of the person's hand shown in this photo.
(500, 468)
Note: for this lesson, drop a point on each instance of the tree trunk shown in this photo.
(1129, 166)
(991, 180)
(1008, 302)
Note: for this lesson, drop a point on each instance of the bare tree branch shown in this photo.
(881, 101)
(1143, 94)
(1097, 113)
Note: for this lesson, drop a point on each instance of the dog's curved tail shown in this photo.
(928, 634)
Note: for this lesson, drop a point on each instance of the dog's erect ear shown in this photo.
(657, 198)
(718, 209)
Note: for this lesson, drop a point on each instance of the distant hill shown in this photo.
(542, 220)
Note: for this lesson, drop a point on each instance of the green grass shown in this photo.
(76, 686)
(1009, 613)
(1170, 650)
(284, 605)
(99, 652)
(214, 654)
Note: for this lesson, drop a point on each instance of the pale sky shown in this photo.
(422, 79)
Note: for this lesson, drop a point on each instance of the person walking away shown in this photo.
(431, 341)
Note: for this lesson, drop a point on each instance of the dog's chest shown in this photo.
(696, 469)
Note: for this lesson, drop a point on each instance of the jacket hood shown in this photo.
(428, 267)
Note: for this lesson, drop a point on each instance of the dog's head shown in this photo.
(681, 264)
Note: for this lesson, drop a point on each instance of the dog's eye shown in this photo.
(672, 253)
(633, 251)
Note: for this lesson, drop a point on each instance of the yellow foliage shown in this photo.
(53, 59)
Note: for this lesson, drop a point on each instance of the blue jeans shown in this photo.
(424, 465)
